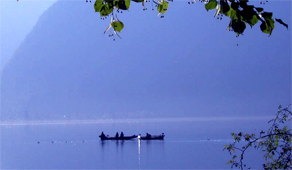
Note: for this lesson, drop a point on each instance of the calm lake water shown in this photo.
(188, 144)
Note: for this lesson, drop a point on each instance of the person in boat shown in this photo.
(117, 135)
(102, 134)
(122, 135)
(148, 135)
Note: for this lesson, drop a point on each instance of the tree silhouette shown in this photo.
(276, 143)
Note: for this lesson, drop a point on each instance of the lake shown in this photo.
(190, 143)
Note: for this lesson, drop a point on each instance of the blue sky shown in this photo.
(190, 63)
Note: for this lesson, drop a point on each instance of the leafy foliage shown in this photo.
(276, 143)
(212, 4)
(162, 7)
(117, 25)
(239, 12)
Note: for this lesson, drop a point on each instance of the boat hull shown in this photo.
(118, 138)
(159, 137)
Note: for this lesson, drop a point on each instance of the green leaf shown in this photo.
(105, 10)
(242, 3)
(122, 4)
(117, 26)
(266, 28)
(229, 162)
(239, 14)
(285, 128)
(224, 7)
(271, 24)
(248, 13)
(234, 5)
(253, 21)
(267, 15)
(211, 5)
(229, 12)
(259, 9)
(162, 7)
(238, 26)
(276, 143)
(97, 5)
(281, 22)
(233, 14)
(268, 18)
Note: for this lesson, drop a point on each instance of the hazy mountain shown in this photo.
(66, 68)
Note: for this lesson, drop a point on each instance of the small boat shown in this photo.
(103, 137)
(151, 137)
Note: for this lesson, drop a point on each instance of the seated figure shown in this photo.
(102, 134)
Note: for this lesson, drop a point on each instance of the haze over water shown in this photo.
(189, 144)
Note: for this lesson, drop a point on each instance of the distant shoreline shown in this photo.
(98, 121)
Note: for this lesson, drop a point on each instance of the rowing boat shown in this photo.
(117, 138)
(151, 137)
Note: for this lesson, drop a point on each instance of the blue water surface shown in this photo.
(188, 144)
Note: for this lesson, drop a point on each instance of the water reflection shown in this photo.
(122, 153)
(102, 143)
(139, 153)
(150, 149)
